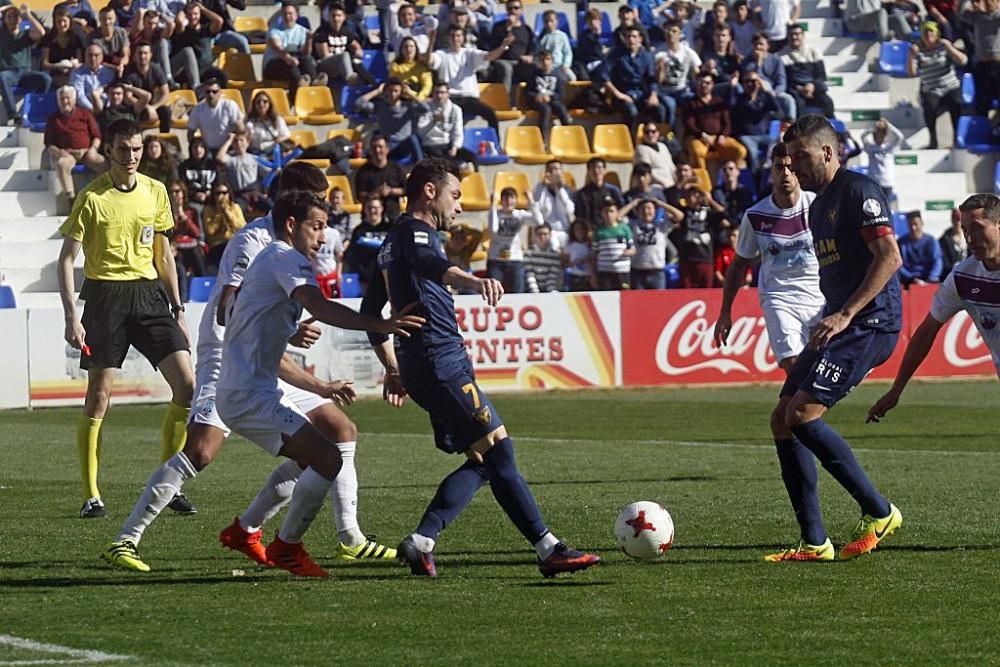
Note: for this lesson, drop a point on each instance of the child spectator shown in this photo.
(653, 250)
(555, 201)
(556, 42)
(366, 239)
(243, 173)
(590, 197)
(506, 259)
(543, 262)
(725, 252)
(545, 90)
(743, 28)
(590, 62)
(693, 239)
(612, 248)
(198, 174)
(576, 256)
(880, 143)
(338, 218)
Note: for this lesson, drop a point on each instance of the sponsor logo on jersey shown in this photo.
(421, 238)
(871, 208)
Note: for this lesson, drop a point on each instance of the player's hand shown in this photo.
(341, 392)
(402, 322)
(722, 327)
(491, 290)
(826, 329)
(393, 391)
(306, 335)
(882, 406)
(75, 334)
(182, 323)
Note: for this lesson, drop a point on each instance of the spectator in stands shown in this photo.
(338, 218)
(288, 56)
(641, 186)
(627, 20)
(867, 16)
(458, 14)
(457, 67)
(405, 22)
(751, 118)
(775, 18)
(157, 160)
(720, 60)
(153, 28)
(689, 16)
(326, 264)
(556, 42)
(706, 32)
(543, 262)
(590, 197)
(338, 50)
(228, 37)
(590, 60)
(366, 240)
(725, 253)
(412, 70)
(934, 60)
(922, 261)
(506, 257)
(880, 143)
(707, 126)
(463, 243)
(191, 44)
(654, 152)
(771, 72)
(806, 74)
(62, 48)
(514, 64)
(694, 239)
(555, 201)
(731, 195)
(266, 127)
(113, 40)
(743, 28)
(243, 174)
(92, 77)
(124, 11)
(953, 244)
(546, 87)
(612, 248)
(684, 180)
(984, 17)
(222, 218)
(216, 118)
(72, 137)
(188, 235)
(16, 60)
(632, 83)
(144, 73)
(382, 178)
(396, 116)
(904, 18)
(676, 67)
(653, 250)
(441, 129)
(124, 101)
(576, 256)
(198, 174)
(945, 14)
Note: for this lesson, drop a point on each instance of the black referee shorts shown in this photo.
(129, 312)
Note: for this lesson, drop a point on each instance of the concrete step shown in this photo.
(29, 229)
(14, 157)
(846, 101)
(936, 186)
(856, 82)
(19, 180)
(936, 220)
(925, 162)
(8, 137)
(903, 116)
(27, 204)
(43, 300)
(37, 279)
(27, 254)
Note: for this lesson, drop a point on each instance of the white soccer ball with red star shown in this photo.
(644, 530)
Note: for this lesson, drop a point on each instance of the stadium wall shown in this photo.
(530, 341)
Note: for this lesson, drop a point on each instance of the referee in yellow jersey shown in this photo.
(122, 222)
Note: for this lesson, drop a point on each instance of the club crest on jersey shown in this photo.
(483, 415)
(147, 235)
(871, 208)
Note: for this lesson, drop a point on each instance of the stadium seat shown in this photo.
(279, 97)
(256, 26)
(975, 135)
(611, 176)
(607, 31)
(673, 275)
(235, 96)
(524, 144)
(475, 196)
(350, 286)
(374, 61)
(613, 142)
(344, 183)
(968, 88)
(37, 109)
(314, 105)
(169, 138)
(892, 58)
(354, 137)
(569, 143)
(348, 96)
(899, 225)
(304, 138)
(201, 289)
(495, 96)
(838, 125)
(562, 23)
(858, 168)
(996, 179)
(181, 97)
(513, 179)
(774, 130)
(239, 68)
(474, 136)
(568, 179)
(7, 297)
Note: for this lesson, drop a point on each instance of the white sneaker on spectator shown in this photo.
(321, 79)
(305, 80)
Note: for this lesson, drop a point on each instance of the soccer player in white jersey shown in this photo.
(973, 286)
(207, 432)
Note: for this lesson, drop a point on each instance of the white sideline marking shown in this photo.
(73, 656)
(697, 443)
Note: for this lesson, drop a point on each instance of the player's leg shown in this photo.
(176, 370)
(245, 532)
(100, 381)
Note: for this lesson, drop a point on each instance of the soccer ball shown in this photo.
(644, 530)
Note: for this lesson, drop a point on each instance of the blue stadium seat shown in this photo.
(673, 274)
(774, 130)
(899, 225)
(7, 297)
(861, 36)
(562, 22)
(499, 17)
(607, 31)
(37, 109)
(968, 88)
(838, 125)
(892, 58)
(348, 96)
(475, 135)
(201, 288)
(996, 179)
(858, 169)
(350, 285)
(974, 135)
(374, 61)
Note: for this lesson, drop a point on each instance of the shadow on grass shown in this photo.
(564, 482)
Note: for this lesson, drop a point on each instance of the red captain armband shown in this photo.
(869, 234)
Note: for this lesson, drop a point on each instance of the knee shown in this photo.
(199, 456)
(778, 416)
(797, 414)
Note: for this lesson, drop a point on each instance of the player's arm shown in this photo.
(339, 391)
(163, 260)
(338, 315)
(373, 303)
(75, 334)
(735, 277)
(916, 351)
(490, 289)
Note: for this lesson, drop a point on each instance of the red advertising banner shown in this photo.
(958, 349)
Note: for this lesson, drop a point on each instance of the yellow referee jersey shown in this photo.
(117, 228)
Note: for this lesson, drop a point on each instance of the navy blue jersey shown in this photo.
(411, 265)
(851, 213)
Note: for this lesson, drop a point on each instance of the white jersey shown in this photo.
(261, 318)
(326, 259)
(975, 289)
(789, 272)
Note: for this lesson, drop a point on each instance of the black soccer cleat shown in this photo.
(564, 559)
(93, 508)
(180, 504)
(421, 564)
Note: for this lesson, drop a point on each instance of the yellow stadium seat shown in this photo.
(177, 99)
(245, 24)
(612, 178)
(304, 138)
(315, 105)
(568, 179)
(354, 137)
(614, 143)
(344, 183)
(235, 96)
(475, 196)
(513, 179)
(171, 139)
(665, 132)
(704, 180)
(37, 6)
(319, 163)
(495, 96)
(239, 68)
(524, 144)
(569, 143)
(279, 98)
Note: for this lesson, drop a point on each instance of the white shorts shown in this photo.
(261, 417)
(203, 410)
(788, 327)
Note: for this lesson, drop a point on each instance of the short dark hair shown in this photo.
(641, 169)
(547, 13)
(296, 204)
(596, 160)
(334, 6)
(551, 162)
(394, 81)
(212, 81)
(914, 215)
(812, 126)
(990, 204)
(780, 150)
(544, 227)
(432, 170)
(123, 127)
(302, 176)
(286, 4)
(740, 3)
(508, 192)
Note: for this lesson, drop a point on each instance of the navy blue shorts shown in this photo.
(830, 374)
(460, 412)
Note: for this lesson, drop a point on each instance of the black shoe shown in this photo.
(564, 559)
(421, 564)
(93, 508)
(180, 504)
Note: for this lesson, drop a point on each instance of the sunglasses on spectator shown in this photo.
(219, 193)
(210, 91)
(651, 130)
(175, 191)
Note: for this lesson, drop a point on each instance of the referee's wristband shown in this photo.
(179, 308)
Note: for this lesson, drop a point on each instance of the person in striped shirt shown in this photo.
(934, 59)
(612, 247)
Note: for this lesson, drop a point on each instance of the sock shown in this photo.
(344, 497)
(164, 483)
(307, 499)
(88, 434)
(545, 546)
(836, 456)
(274, 495)
(174, 433)
(798, 472)
(422, 543)
(512, 492)
(454, 494)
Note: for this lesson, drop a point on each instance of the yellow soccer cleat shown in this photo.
(870, 531)
(125, 555)
(804, 552)
(367, 550)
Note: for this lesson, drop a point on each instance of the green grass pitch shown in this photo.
(930, 596)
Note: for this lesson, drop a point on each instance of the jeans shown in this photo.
(934, 106)
(279, 70)
(230, 39)
(757, 145)
(545, 112)
(510, 273)
(34, 80)
(409, 147)
(473, 106)
(184, 63)
(649, 279)
(631, 110)
(787, 105)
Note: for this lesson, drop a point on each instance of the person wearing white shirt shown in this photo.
(505, 261)
(405, 22)
(880, 143)
(457, 66)
(555, 202)
(215, 117)
(440, 127)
